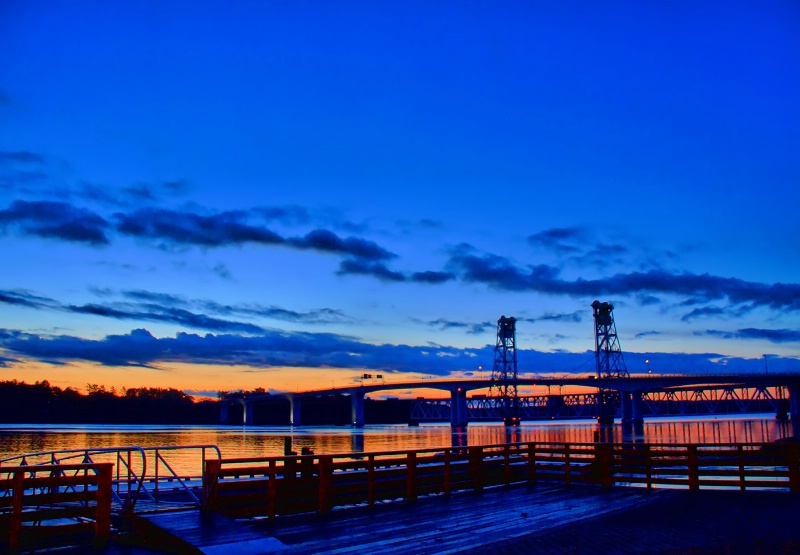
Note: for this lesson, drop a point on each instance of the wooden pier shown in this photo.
(295, 502)
(272, 486)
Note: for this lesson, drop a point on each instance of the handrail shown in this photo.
(291, 484)
(30, 497)
(134, 485)
(403, 452)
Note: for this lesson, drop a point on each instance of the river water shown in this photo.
(240, 441)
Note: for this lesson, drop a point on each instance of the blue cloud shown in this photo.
(325, 350)
(55, 220)
(500, 273)
(231, 228)
(774, 336)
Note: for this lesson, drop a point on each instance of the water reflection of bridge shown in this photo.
(633, 397)
(676, 402)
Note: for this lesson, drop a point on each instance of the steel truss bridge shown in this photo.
(676, 402)
(631, 397)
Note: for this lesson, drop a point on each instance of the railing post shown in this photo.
(531, 463)
(272, 489)
(507, 464)
(793, 462)
(476, 466)
(155, 471)
(102, 522)
(325, 484)
(447, 477)
(567, 477)
(371, 480)
(649, 465)
(411, 476)
(210, 479)
(604, 459)
(740, 452)
(692, 465)
(16, 510)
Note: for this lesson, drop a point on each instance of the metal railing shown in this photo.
(146, 474)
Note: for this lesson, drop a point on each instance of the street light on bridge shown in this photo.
(647, 362)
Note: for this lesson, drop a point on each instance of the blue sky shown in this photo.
(210, 196)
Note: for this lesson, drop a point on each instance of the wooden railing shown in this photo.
(270, 486)
(39, 504)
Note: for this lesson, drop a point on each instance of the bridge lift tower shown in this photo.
(504, 371)
(607, 352)
(608, 357)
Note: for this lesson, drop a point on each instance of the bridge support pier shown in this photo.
(606, 410)
(248, 414)
(794, 409)
(458, 408)
(637, 406)
(627, 406)
(357, 409)
(223, 412)
(294, 411)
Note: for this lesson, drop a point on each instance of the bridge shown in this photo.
(635, 394)
(614, 390)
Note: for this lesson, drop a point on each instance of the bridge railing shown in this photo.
(271, 486)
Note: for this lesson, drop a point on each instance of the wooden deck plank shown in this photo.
(195, 531)
(440, 524)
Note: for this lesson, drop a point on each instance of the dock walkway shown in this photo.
(545, 519)
(550, 519)
(449, 525)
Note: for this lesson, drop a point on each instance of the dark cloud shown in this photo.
(327, 241)
(470, 327)
(222, 271)
(602, 256)
(164, 307)
(140, 192)
(703, 312)
(559, 238)
(165, 299)
(367, 268)
(647, 334)
(232, 228)
(288, 215)
(21, 157)
(774, 336)
(294, 349)
(317, 316)
(225, 228)
(499, 273)
(135, 349)
(26, 299)
(167, 314)
(432, 277)
(647, 300)
(578, 246)
(324, 350)
(576, 316)
(5, 362)
(176, 186)
(55, 220)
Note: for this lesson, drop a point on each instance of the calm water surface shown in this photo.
(239, 441)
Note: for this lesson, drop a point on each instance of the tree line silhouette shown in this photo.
(42, 402)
